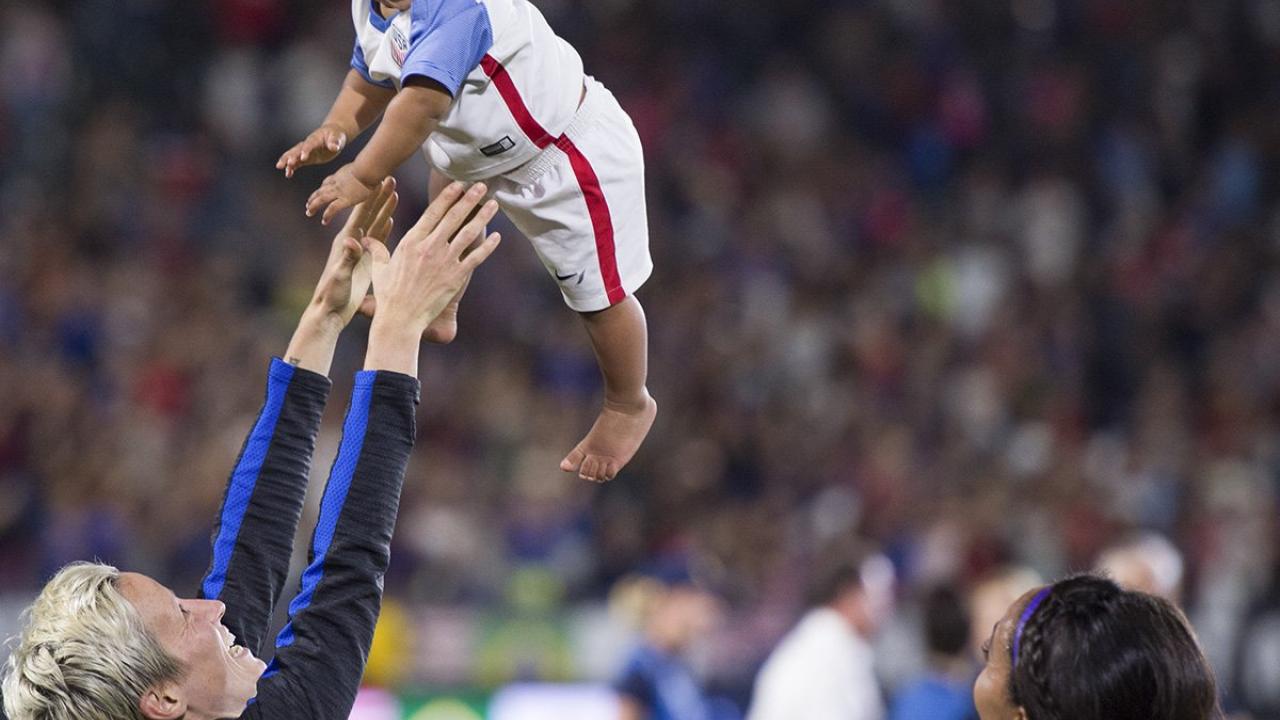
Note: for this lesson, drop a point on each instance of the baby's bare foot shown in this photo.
(613, 441)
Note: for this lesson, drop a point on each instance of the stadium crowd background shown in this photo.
(985, 282)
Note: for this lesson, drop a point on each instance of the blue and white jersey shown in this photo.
(515, 83)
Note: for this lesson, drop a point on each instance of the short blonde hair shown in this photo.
(84, 653)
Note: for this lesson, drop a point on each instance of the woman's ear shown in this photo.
(1020, 713)
(163, 702)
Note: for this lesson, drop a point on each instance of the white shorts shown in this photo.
(580, 201)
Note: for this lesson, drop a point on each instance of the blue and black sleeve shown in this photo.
(263, 502)
(321, 652)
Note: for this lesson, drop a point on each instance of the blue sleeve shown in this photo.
(447, 40)
(263, 502)
(359, 65)
(321, 652)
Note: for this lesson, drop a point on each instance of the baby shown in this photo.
(490, 92)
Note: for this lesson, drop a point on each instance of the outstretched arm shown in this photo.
(260, 511)
(359, 103)
(321, 652)
(410, 118)
(447, 41)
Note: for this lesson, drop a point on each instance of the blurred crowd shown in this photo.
(986, 283)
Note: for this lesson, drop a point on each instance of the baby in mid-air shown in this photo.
(489, 92)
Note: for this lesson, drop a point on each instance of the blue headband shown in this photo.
(1026, 615)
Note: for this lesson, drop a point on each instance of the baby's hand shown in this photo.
(321, 146)
(338, 192)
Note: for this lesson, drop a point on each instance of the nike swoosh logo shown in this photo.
(565, 277)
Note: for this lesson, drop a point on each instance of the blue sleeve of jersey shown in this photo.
(447, 41)
(359, 65)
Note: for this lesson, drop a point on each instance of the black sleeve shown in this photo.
(263, 502)
(321, 652)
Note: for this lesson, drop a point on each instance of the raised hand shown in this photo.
(322, 145)
(434, 258)
(428, 268)
(344, 284)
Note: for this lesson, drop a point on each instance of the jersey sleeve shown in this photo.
(263, 502)
(321, 652)
(359, 65)
(446, 41)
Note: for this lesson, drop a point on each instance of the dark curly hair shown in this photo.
(1092, 651)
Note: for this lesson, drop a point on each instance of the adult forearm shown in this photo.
(314, 341)
(393, 346)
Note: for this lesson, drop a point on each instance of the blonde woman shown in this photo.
(100, 644)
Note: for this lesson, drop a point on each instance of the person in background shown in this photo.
(824, 668)
(945, 691)
(1146, 562)
(1256, 686)
(991, 596)
(657, 681)
(1085, 649)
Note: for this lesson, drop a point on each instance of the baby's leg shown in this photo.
(582, 206)
(619, 337)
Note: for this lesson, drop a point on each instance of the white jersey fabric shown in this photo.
(481, 51)
(822, 670)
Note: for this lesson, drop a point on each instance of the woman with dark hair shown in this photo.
(1083, 649)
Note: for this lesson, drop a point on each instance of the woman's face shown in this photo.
(991, 690)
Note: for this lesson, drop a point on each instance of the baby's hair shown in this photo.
(1092, 651)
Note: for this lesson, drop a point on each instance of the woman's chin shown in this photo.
(248, 666)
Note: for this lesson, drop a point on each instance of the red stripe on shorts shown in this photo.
(601, 221)
(511, 96)
(597, 206)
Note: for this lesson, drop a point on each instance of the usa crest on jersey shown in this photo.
(399, 45)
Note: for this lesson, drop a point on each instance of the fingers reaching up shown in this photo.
(432, 263)
(434, 258)
(346, 278)
(374, 216)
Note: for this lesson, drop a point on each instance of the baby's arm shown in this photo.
(409, 119)
(447, 42)
(358, 104)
